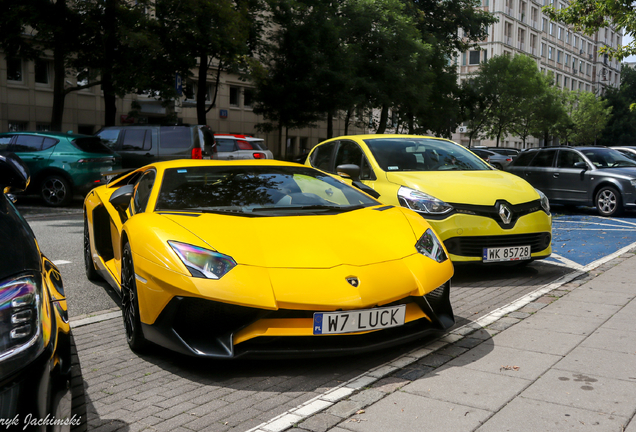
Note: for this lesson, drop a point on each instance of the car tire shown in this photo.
(89, 266)
(608, 201)
(130, 303)
(78, 405)
(56, 191)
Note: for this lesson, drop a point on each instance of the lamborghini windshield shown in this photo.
(257, 191)
(423, 154)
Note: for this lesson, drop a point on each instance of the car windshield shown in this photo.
(608, 158)
(423, 154)
(257, 191)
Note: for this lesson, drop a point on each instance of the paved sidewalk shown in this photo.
(566, 361)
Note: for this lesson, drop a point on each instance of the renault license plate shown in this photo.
(512, 253)
(359, 320)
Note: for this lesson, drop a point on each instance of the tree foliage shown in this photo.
(621, 128)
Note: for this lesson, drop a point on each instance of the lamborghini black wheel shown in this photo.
(89, 267)
(130, 303)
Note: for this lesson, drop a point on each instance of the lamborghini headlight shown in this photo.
(203, 263)
(545, 202)
(430, 246)
(421, 202)
(21, 337)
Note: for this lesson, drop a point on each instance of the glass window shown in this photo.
(567, 159)
(248, 98)
(137, 139)
(524, 158)
(175, 137)
(41, 71)
(544, 158)
(143, 190)
(348, 153)
(257, 190)
(91, 145)
(14, 70)
(27, 143)
(4, 141)
(473, 58)
(234, 96)
(17, 126)
(109, 137)
(423, 154)
(225, 145)
(321, 157)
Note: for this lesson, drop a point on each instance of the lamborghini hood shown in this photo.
(468, 187)
(359, 237)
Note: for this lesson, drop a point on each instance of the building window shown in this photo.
(82, 78)
(14, 70)
(565, 82)
(473, 57)
(248, 98)
(485, 56)
(542, 50)
(559, 56)
(560, 33)
(588, 71)
(41, 71)
(463, 59)
(235, 93)
(552, 29)
(573, 85)
(544, 24)
(567, 37)
(549, 53)
(17, 126)
(567, 59)
(43, 127)
(558, 80)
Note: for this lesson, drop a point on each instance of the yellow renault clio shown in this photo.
(480, 213)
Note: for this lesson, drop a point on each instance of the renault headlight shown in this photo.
(421, 202)
(430, 246)
(545, 202)
(203, 263)
(21, 336)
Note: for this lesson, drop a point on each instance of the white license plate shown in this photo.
(513, 253)
(359, 320)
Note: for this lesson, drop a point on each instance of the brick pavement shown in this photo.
(164, 391)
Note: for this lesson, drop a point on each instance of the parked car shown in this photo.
(40, 375)
(61, 164)
(202, 256)
(504, 151)
(596, 176)
(497, 160)
(480, 213)
(628, 151)
(233, 147)
(140, 145)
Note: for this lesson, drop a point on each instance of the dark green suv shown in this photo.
(61, 164)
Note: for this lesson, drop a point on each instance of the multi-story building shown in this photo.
(572, 58)
(26, 98)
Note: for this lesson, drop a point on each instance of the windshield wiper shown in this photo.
(311, 207)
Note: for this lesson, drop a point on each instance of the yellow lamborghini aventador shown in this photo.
(263, 258)
(480, 213)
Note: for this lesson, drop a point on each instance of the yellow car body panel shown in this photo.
(479, 188)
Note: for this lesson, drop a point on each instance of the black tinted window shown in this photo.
(4, 142)
(27, 143)
(225, 145)
(321, 157)
(348, 153)
(142, 194)
(137, 139)
(90, 145)
(176, 137)
(567, 159)
(524, 158)
(109, 137)
(544, 158)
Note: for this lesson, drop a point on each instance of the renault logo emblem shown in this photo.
(505, 213)
(353, 281)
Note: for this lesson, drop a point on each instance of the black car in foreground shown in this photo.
(41, 388)
(597, 176)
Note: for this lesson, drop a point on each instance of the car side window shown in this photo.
(348, 153)
(137, 139)
(109, 137)
(5, 141)
(244, 145)
(544, 159)
(225, 145)
(524, 159)
(567, 159)
(321, 157)
(142, 191)
(27, 143)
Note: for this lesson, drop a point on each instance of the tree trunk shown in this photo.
(110, 37)
(281, 145)
(59, 72)
(202, 87)
(329, 124)
(411, 124)
(347, 120)
(384, 116)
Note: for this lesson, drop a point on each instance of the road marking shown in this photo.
(566, 262)
(61, 262)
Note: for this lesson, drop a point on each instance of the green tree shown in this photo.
(532, 111)
(621, 127)
(507, 84)
(549, 114)
(590, 118)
